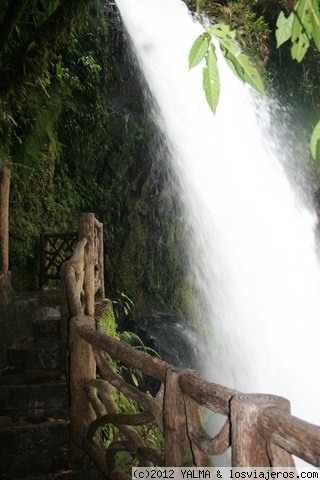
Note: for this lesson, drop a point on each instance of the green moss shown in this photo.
(106, 322)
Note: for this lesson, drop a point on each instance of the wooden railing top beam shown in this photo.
(58, 235)
(294, 435)
(211, 395)
(124, 353)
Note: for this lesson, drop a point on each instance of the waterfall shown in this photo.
(252, 250)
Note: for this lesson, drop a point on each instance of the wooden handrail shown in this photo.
(208, 394)
(124, 353)
(296, 436)
(259, 428)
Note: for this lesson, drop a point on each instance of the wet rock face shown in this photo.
(175, 342)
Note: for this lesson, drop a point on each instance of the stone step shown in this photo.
(65, 474)
(15, 376)
(34, 354)
(33, 396)
(46, 311)
(46, 328)
(46, 323)
(31, 446)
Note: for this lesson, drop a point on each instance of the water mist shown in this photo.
(253, 248)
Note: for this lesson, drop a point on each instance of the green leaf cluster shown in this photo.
(301, 27)
(204, 48)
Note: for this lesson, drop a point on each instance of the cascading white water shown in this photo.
(253, 252)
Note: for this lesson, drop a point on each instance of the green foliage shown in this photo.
(199, 50)
(284, 27)
(301, 27)
(106, 322)
(211, 81)
(203, 48)
(237, 61)
(243, 16)
(315, 143)
(123, 302)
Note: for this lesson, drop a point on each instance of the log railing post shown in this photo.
(82, 369)
(5, 278)
(249, 448)
(101, 259)
(86, 229)
(5, 175)
(178, 446)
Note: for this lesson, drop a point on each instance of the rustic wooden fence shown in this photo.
(55, 248)
(259, 428)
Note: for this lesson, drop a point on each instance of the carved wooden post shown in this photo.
(86, 229)
(249, 449)
(82, 369)
(5, 175)
(101, 259)
(5, 278)
(178, 447)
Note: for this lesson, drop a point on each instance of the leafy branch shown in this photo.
(204, 49)
(301, 27)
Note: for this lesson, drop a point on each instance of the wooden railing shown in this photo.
(259, 428)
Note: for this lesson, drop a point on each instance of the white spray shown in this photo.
(254, 249)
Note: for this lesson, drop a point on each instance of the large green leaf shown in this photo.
(199, 49)
(315, 22)
(304, 15)
(211, 81)
(302, 27)
(284, 27)
(315, 143)
(222, 31)
(300, 47)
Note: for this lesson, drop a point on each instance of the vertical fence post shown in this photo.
(101, 259)
(5, 280)
(178, 446)
(249, 449)
(82, 369)
(5, 175)
(86, 229)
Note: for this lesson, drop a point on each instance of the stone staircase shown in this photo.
(34, 405)
(34, 423)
